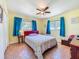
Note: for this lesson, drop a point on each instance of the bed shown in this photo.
(39, 43)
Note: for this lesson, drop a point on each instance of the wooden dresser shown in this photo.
(74, 49)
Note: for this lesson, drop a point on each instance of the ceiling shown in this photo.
(28, 7)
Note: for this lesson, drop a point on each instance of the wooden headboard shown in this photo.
(30, 32)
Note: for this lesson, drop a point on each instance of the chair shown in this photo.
(67, 42)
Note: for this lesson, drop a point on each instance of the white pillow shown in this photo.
(33, 34)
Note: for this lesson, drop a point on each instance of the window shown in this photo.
(55, 25)
(52, 25)
(26, 25)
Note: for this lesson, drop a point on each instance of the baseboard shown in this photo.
(13, 42)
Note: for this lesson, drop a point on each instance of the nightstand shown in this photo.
(21, 39)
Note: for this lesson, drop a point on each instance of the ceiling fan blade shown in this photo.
(38, 9)
(46, 8)
(38, 13)
(47, 12)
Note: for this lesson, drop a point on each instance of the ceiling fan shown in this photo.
(43, 10)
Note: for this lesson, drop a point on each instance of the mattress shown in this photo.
(40, 43)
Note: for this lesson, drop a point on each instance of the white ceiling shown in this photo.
(28, 7)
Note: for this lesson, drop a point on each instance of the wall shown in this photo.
(40, 25)
(13, 39)
(3, 30)
(11, 15)
(70, 28)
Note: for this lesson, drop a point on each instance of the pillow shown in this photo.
(33, 34)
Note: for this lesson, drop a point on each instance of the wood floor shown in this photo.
(22, 51)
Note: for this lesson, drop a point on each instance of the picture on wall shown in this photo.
(74, 20)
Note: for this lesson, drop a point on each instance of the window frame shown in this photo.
(56, 25)
(27, 24)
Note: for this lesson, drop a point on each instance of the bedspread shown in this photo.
(40, 43)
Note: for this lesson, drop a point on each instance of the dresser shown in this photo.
(74, 49)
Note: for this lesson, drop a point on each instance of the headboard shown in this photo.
(30, 32)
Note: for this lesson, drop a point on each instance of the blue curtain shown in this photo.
(62, 26)
(17, 25)
(34, 25)
(48, 27)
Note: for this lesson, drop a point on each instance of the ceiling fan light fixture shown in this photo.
(43, 11)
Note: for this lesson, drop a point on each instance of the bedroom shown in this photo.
(47, 24)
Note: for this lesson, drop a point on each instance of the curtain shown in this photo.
(62, 26)
(17, 26)
(34, 25)
(48, 27)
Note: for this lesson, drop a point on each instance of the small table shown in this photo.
(21, 39)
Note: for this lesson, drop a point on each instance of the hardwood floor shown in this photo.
(22, 51)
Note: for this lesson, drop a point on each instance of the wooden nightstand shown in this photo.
(74, 49)
(21, 39)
